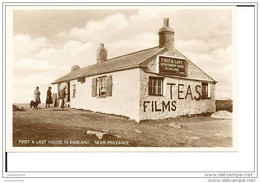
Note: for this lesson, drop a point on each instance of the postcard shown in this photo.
(121, 78)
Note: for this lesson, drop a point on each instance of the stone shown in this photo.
(222, 115)
(98, 134)
(138, 131)
(174, 125)
(118, 136)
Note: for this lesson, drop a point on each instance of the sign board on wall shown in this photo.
(172, 66)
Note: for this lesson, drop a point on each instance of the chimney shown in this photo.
(74, 68)
(101, 54)
(166, 35)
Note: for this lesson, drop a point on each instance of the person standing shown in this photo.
(48, 98)
(37, 94)
(63, 96)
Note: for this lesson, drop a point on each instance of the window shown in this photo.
(74, 91)
(102, 86)
(155, 86)
(205, 90)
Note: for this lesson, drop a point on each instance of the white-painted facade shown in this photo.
(125, 94)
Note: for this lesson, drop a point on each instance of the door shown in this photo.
(68, 92)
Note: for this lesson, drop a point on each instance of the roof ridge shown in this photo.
(133, 53)
(123, 56)
(144, 62)
(127, 60)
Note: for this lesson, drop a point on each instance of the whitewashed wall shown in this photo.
(124, 99)
(183, 106)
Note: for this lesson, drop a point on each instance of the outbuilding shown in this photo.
(154, 83)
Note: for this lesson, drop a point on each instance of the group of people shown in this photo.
(49, 100)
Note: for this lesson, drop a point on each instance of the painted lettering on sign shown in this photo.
(184, 92)
(156, 107)
(172, 66)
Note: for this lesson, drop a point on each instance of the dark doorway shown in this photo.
(68, 92)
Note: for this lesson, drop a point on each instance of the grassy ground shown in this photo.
(70, 127)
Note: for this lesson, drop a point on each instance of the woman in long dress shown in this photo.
(37, 94)
(48, 98)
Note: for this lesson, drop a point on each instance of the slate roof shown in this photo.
(132, 60)
(128, 61)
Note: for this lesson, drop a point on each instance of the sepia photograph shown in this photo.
(116, 77)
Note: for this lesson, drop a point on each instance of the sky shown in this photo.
(46, 43)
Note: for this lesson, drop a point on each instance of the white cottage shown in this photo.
(154, 83)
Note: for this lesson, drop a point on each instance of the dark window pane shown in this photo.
(205, 90)
(155, 86)
(102, 86)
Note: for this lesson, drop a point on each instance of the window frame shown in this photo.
(153, 86)
(104, 92)
(74, 90)
(208, 94)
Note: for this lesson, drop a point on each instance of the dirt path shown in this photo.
(50, 124)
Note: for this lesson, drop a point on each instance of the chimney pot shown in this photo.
(166, 22)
